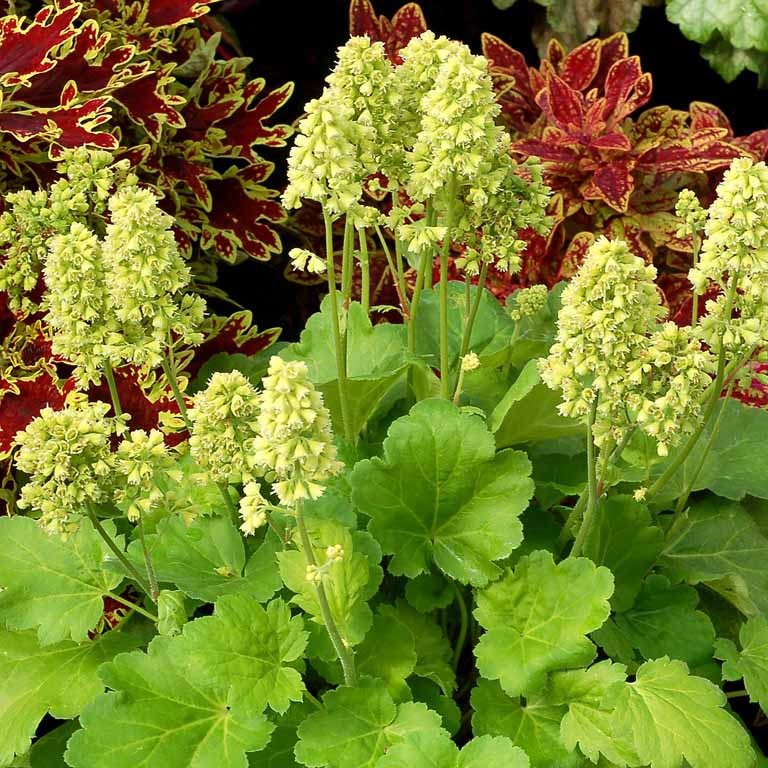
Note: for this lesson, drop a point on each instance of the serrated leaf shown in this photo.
(587, 724)
(279, 752)
(528, 412)
(59, 679)
(733, 466)
(376, 360)
(717, 543)
(441, 494)
(625, 541)
(434, 749)
(349, 584)
(206, 559)
(729, 62)
(429, 591)
(53, 586)
(751, 662)
(673, 716)
(743, 23)
(358, 725)
(249, 647)
(537, 619)
(664, 622)
(428, 693)
(433, 651)
(533, 726)
(156, 715)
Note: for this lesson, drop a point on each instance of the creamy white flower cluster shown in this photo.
(428, 126)
(224, 420)
(690, 210)
(610, 349)
(295, 442)
(120, 299)
(68, 458)
(734, 260)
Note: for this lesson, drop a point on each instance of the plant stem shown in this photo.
(575, 515)
(463, 626)
(737, 694)
(347, 263)
(683, 500)
(589, 513)
(695, 307)
(112, 384)
(365, 271)
(445, 385)
(397, 279)
(469, 323)
(344, 654)
(228, 503)
(171, 376)
(313, 699)
(717, 387)
(128, 604)
(116, 551)
(154, 591)
(341, 360)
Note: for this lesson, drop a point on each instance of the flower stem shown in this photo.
(589, 513)
(397, 279)
(171, 376)
(154, 591)
(341, 360)
(463, 626)
(128, 604)
(228, 503)
(116, 551)
(347, 263)
(344, 654)
(445, 385)
(365, 271)
(695, 307)
(470, 322)
(112, 384)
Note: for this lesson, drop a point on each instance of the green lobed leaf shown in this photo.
(673, 716)
(624, 540)
(441, 494)
(534, 335)
(50, 585)
(36, 679)
(734, 465)
(751, 662)
(717, 543)
(744, 23)
(434, 749)
(664, 622)
(428, 693)
(429, 591)
(534, 726)
(48, 751)
(156, 715)
(349, 584)
(249, 647)
(729, 62)
(279, 752)
(528, 412)
(537, 619)
(376, 359)
(358, 725)
(206, 559)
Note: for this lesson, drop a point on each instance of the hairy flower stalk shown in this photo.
(295, 448)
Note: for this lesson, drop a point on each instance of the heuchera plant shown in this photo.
(521, 536)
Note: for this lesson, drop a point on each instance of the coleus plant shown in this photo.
(521, 536)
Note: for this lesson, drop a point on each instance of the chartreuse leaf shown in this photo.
(442, 493)
(250, 647)
(587, 724)
(751, 662)
(742, 22)
(528, 412)
(37, 679)
(719, 544)
(377, 359)
(664, 622)
(537, 619)
(157, 714)
(434, 749)
(357, 725)
(279, 752)
(672, 716)
(625, 541)
(206, 558)
(349, 583)
(533, 726)
(48, 752)
(52, 586)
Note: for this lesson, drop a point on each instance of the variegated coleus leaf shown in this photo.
(407, 23)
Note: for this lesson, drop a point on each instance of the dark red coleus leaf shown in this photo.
(26, 51)
(21, 400)
(243, 214)
(407, 23)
